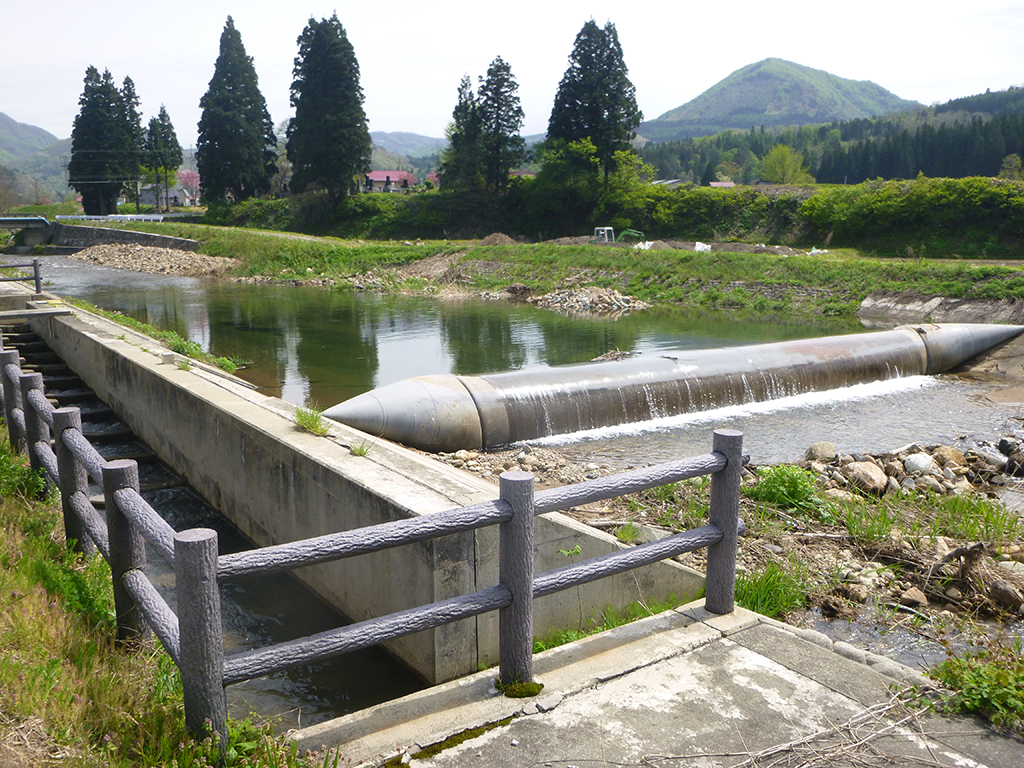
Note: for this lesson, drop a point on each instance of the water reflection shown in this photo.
(324, 346)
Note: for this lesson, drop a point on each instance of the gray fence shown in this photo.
(37, 278)
(55, 444)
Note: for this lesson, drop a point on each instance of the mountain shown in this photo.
(771, 93)
(21, 140)
(409, 144)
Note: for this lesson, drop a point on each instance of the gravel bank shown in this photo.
(166, 261)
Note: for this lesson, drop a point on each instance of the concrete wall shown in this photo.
(242, 451)
(69, 235)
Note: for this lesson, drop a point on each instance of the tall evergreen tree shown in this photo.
(462, 159)
(236, 148)
(328, 139)
(595, 98)
(105, 142)
(162, 152)
(501, 118)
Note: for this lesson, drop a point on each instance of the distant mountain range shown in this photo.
(773, 93)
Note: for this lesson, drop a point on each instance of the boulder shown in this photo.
(866, 476)
(945, 454)
(823, 451)
(919, 462)
(1005, 593)
(913, 598)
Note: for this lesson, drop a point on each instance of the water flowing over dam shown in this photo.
(449, 412)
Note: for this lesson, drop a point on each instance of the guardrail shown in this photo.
(36, 274)
(193, 638)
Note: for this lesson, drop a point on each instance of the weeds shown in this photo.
(775, 591)
(791, 488)
(988, 681)
(310, 419)
(100, 703)
(607, 619)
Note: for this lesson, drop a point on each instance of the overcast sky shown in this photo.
(412, 53)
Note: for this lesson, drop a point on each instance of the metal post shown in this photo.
(73, 479)
(12, 400)
(515, 572)
(202, 640)
(37, 275)
(127, 547)
(36, 430)
(725, 513)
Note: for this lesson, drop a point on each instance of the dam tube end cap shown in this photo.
(432, 413)
(951, 344)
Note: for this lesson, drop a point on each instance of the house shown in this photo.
(388, 181)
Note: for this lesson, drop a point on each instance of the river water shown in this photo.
(316, 346)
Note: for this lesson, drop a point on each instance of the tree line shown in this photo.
(938, 143)
(327, 142)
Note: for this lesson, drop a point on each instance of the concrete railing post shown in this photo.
(725, 513)
(73, 478)
(12, 400)
(515, 572)
(36, 430)
(202, 641)
(127, 547)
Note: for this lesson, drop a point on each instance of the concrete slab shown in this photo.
(682, 688)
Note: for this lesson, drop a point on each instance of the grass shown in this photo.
(775, 591)
(96, 701)
(607, 619)
(310, 419)
(765, 283)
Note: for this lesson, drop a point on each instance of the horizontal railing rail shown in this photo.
(36, 278)
(193, 637)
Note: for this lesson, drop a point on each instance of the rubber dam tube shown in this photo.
(448, 412)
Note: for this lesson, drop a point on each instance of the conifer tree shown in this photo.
(461, 160)
(162, 152)
(328, 139)
(501, 117)
(595, 98)
(106, 142)
(235, 151)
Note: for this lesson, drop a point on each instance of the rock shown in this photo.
(1013, 566)
(1005, 593)
(1015, 463)
(945, 454)
(913, 598)
(929, 484)
(821, 451)
(954, 594)
(893, 485)
(919, 462)
(856, 592)
(1007, 446)
(840, 495)
(894, 469)
(867, 477)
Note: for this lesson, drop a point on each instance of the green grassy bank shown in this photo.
(827, 283)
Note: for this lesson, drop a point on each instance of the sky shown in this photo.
(412, 54)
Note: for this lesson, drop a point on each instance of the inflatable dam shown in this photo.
(447, 412)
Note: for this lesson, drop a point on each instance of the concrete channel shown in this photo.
(243, 453)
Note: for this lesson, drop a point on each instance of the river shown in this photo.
(316, 346)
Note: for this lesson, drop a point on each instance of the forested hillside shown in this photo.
(773, 93)
(942, 141)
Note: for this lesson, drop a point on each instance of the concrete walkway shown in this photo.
(684, 688)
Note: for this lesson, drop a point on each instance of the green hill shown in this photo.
(21, 140)
(773, 93)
